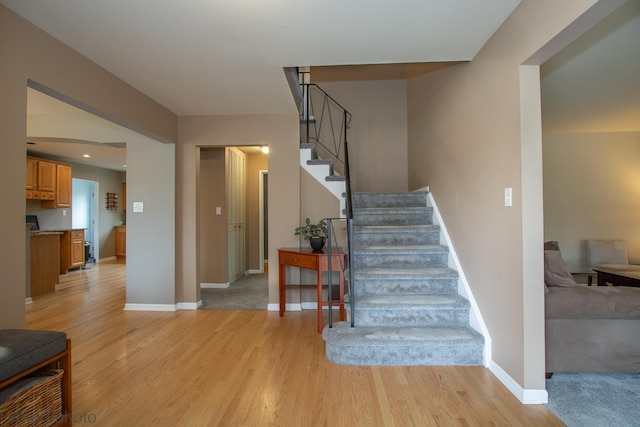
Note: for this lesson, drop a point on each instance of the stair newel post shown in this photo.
(330, 270)
(351, 293)
(307, 112)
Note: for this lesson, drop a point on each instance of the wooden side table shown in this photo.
(318, 261)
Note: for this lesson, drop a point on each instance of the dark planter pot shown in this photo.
(317, 243)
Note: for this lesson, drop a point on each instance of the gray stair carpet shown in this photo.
(407, 310)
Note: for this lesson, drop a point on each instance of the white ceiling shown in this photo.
(200, 57)
(207, 57)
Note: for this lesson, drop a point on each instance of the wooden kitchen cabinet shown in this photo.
(32, 173)
(41, 179)
(62, 194)
(71, 250)
(43, 262)
(46, 176)
(121, 241)
(49, 182)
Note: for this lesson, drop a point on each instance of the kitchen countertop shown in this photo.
(49, 232)
(44, 232)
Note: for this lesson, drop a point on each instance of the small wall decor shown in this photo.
(112, 201)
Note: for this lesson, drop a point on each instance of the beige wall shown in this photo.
(151, 234)
(281, 133)
(213, 228)
(316, 203)
(30, 54)
(378, 134)
(466, 143)
(591, 190)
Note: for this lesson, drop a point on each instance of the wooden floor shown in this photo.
(246, 368)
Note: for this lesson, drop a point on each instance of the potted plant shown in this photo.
(316, 234)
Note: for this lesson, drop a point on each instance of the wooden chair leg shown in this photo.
(65, 364)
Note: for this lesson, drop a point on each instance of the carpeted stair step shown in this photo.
(415, 281)
(393, 216)
(411, 310)
(386, 200)
(322, 162)
(390, 346)
(407, 310)
(310, 146)
(400, 257)
(393, 235)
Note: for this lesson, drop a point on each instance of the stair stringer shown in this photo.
(320, 173)
(475, 317)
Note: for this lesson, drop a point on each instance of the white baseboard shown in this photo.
(149, 307)
(311, 305)
(255, 271)
(214, 285)
(28, 300)
(287, 307)
(188, 305)
(526, 396)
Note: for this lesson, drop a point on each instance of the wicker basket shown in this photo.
(38, 405)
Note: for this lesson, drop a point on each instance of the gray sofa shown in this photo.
(588, 329)
(592, 329)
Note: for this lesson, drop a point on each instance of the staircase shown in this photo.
(407, 310)
(322, 170)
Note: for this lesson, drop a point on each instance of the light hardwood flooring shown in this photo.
(246, 368)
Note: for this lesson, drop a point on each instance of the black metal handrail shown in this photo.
(326, 125)
(331, 236)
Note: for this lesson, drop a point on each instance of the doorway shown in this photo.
(83, 209)
(232, 192)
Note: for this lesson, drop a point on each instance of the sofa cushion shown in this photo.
(551, 245)
(587, 302)
(555, 270)
(22, 349)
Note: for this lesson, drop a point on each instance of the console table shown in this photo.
(312, 260)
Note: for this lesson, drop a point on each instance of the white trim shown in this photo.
(253, 271)
(149, 307)
(319, 173)
(28, 300)
(525, 396)
(287, 307)
(109, 258)
(261, 174)
(188, 305)
(215, 285)
(475, 317)
(309, 305)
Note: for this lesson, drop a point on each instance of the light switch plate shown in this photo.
(138, 206)
(508, 200)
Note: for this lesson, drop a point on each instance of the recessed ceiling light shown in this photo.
(86, 155)
(124, 166)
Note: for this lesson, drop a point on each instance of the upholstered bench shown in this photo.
(22, 352)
